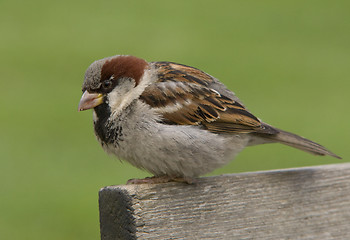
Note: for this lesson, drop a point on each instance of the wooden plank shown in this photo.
(301, 203)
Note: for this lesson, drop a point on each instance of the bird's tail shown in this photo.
(298, 142)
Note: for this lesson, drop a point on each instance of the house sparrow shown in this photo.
(175, 121)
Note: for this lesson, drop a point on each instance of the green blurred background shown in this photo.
(289, 62)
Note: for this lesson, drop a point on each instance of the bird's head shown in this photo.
(114, 81)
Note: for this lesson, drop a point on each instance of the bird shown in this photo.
(175, 121)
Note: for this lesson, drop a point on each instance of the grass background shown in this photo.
(289, 62)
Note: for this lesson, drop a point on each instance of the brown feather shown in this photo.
(182, 96)
(124, 66)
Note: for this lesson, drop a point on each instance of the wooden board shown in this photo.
(301, 203)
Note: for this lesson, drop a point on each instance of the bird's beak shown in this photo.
(90, 100)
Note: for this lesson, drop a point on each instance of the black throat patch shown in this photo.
(104, 129)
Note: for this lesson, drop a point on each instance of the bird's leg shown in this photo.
(161, 179)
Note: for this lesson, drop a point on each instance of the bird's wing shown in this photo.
(182, 96)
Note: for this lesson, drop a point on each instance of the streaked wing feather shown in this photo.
(182, 96)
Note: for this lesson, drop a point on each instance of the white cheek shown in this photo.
(119, 97)
(125, 93)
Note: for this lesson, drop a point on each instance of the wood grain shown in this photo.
(301, 203)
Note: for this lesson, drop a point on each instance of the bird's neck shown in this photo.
(108, 126)
(102, 114)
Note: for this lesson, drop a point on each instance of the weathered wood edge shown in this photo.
(117, 217)
(116, 214)
(132, 189)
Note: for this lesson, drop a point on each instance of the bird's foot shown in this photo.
(161, 179)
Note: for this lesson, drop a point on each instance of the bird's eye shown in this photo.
(107, 83)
